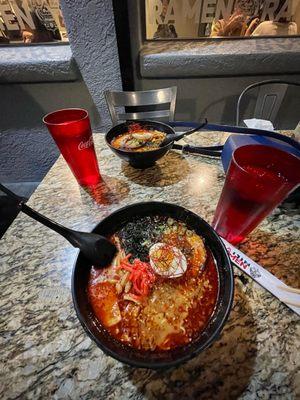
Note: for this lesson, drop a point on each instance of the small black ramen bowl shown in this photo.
(160, 359)
(143, 159)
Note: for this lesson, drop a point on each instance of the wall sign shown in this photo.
(196, 18)
(31, 21)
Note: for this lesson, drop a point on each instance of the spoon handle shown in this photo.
(62, 230)
(186, 133)
(67, 233)
(178, 136)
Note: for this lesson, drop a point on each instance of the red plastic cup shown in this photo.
(258, 179)
(71, 130)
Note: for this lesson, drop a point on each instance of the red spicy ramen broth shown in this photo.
(144, 309)
(138, 139)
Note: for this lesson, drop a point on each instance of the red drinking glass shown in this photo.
(258, 179)
(71, 130)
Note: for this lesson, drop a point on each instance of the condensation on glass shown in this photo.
(31, 21)
(192, 19)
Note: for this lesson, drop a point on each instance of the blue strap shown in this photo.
(236, 129)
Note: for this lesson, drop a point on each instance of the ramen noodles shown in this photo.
(161, 288)
(138, 139)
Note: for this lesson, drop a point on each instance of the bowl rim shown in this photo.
(128, 152)
(189, 355)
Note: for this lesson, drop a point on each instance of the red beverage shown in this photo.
(258, 179)
(71, 130)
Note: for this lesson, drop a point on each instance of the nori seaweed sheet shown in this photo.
(138, 235)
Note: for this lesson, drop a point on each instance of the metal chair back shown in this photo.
(166, 96)
(270, 96)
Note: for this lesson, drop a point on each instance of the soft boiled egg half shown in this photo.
(167, 261)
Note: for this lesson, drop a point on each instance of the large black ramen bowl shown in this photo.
(140, 159)
(161, 359)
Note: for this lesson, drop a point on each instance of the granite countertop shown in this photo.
(44, 350)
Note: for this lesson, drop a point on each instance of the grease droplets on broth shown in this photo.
(144, 307)
(138, 139)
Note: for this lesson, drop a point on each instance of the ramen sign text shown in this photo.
(205, 11)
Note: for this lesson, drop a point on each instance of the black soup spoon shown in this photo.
(177, 136)
(96, 248)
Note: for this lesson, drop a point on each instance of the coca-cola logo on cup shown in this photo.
(85, 145)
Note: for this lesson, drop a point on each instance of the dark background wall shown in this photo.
(215, 98)
(27, 149)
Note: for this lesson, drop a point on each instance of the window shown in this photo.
(31, 21)
(192, 19)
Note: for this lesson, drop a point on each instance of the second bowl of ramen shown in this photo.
(138, 143)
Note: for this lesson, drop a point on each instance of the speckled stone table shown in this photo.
(45, 352)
